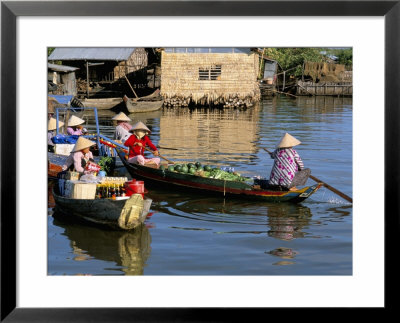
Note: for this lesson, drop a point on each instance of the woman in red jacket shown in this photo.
(137, 142)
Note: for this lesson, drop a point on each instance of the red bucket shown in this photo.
(134, 187)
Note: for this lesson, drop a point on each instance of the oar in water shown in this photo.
(334, 190)
(167, 148)
(169, 161)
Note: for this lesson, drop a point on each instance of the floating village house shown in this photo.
(210, 76)
(104, 68)
(61, 79)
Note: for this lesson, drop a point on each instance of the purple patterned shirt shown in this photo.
(286, 163)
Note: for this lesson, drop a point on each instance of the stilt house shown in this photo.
(62, 79)
(103, 66)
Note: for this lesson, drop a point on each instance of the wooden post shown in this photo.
(87, 79)
(284, 79)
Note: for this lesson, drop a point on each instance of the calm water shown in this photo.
(190, 234)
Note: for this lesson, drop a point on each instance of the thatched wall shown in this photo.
(180, 75)
(137, 61)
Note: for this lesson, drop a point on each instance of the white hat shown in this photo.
(75, 121)
(121, 117)
(288, 141)
(140, 126)
(52, 125)
(82, 143)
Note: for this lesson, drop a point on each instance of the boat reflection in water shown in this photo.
(286, 221)
(128, 249)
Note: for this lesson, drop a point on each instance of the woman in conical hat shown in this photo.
(121, 133)
(74, 126)
(80, 155)
(51, 126)
(137, 142)
(287, 164)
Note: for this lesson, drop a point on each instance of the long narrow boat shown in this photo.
(216, 187)
(125, 214)
(152, 102)
(101, 103)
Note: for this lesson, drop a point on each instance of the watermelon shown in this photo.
(171, 168)
(190, 165)
(178, 168)
(198, 164)
(199, 169)
(192, 170)
(207, 168)
(184, 169)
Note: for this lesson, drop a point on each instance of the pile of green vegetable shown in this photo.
(204, 171)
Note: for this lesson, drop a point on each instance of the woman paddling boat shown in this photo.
(288, 169)
(137, 143)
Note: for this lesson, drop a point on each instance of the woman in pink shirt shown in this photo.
(79, 156)
(74, 126)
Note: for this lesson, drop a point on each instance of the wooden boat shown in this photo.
(125, 214)
(216, 187)
(101, 103)
(148, 103)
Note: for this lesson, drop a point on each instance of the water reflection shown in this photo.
(210, 134)
(129, 250)
(283, 221)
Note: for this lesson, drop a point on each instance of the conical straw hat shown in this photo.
(52, 125)
(75, 121)
(288, 141)
(140, 126)
(121, 117)
(82, 143)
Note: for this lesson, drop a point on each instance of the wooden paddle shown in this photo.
(169, 161)
(334, 190)
(167, 148)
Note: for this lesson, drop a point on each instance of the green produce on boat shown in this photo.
(207, 168)
(171, 168)
(213, 186)
(198, 164)
(192, 171)
(184, 169)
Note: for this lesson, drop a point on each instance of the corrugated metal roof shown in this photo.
(196, 50)
(91, 53)
(61, 68)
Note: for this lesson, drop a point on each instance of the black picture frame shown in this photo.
(10, 10)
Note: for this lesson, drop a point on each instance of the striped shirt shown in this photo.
(286, 163)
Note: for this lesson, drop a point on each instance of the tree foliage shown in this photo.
(293, 58)
(345, 57)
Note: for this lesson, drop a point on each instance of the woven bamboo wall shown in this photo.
(238, 79)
